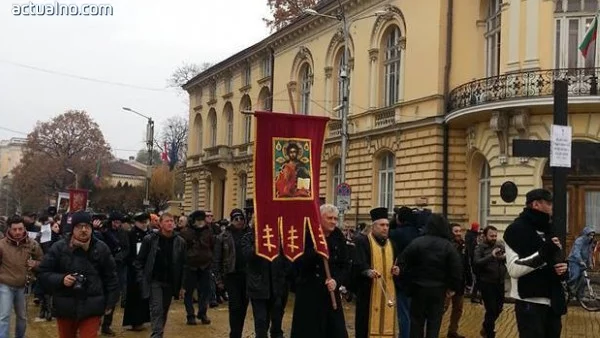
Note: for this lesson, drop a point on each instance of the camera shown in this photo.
(80, 280)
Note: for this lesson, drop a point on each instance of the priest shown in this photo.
(375, 271)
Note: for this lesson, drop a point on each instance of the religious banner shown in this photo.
(77, 199)
(287, 164)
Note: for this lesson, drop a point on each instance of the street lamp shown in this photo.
(150, 146)
(76, 177)
(345, 78)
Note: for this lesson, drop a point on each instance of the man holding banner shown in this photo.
(287, 164)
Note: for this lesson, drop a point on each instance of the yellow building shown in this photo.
(126, 171)
(11, 152)
(438, 91)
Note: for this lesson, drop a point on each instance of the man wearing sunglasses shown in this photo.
(230, 270)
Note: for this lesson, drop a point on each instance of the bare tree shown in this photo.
(186, 72)
(285, 11)
(173, 140)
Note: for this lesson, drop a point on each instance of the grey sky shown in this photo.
(141, 44)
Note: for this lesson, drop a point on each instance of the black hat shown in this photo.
(197, 215)
(404, 213)
(236, 213)
(538, 195)
(115, 216)
(81, 217)
(51, 211)
(141, 217)
(379, 213)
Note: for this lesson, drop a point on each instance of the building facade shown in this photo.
(128, 172)
(438, 91)
(11, 152)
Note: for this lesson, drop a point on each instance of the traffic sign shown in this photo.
(343, 192)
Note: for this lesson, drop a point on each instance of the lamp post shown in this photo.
(76, 177)
(345, 79)
(150, 146)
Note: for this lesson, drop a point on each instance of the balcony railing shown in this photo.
(335, 128)
(385, 117)
(217, 154)
(522, 85)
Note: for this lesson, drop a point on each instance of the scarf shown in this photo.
(79, 244)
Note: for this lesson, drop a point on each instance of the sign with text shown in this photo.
(343, 192)
(560, 146)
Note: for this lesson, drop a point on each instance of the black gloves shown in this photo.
(549, 251)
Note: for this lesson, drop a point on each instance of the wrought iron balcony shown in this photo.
(523, 85)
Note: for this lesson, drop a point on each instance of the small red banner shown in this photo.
(287, 165)
(77, 200)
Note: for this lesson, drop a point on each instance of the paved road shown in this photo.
(578, 323)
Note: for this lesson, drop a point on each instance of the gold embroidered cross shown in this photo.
(292, 238)
(321, 237)
(267, 237)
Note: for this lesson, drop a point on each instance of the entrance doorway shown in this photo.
(583, 196)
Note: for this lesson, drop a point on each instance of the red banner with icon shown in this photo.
(77, 200)
(287, 165)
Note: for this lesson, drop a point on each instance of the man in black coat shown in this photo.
(118, 241)
(159, 269)
(434, 271)
(536, 265)
(313, 288)
(266, 284)
(137, 309)
(80, 274)
(230, 271)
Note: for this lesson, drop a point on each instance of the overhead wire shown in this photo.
(80, 77)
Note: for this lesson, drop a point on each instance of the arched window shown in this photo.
(336, 178)
(492, 38)
(341, 86)
(572, 20)
(199, 134)
(243, 189)
(229, 117)
(195, 194)
(305, 87)
(484, 194)
(392, 66)
(212, 120)
(387, 167)
(264, 99)
(246, 105)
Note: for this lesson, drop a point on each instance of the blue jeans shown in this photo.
(403, 305)
(12, 298)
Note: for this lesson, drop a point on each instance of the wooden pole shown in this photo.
(328, 276)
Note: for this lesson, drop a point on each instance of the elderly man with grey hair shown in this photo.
(313, 287)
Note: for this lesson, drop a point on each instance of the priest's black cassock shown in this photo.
(137, 310)
(375, 309)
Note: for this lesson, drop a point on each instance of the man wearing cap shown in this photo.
(536, 265)
(230, 271)
(118, 241)
(137, 311)
(199, 242)
(375, 268)
(80, 273)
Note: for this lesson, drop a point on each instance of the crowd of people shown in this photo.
(404, 273)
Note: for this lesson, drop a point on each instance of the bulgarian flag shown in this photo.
(589, 38)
